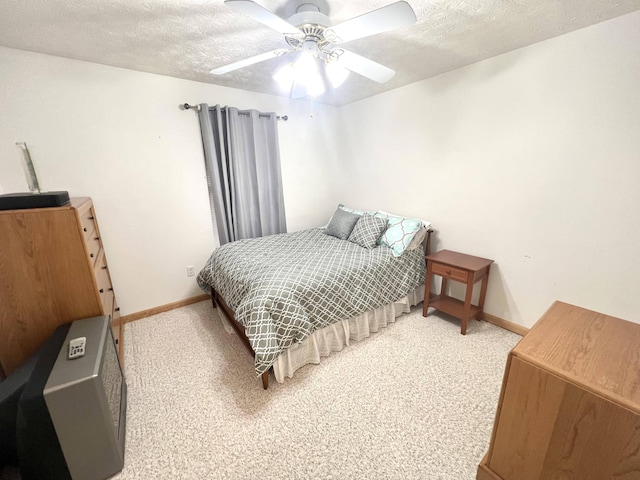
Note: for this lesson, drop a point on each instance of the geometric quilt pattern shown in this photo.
(284, 287)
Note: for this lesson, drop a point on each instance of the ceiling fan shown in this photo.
(311, 35)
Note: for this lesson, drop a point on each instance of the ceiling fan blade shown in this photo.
(365, 67)
(249, 61)
(262, 15)
(396, 15)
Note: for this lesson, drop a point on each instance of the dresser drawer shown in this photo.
(88, 222)
(115, 318)
(107, 301)
(449, 272)
(93, 247)
(115, 330)
(90, 232)
(115, 313)
(105, 289)
(118, 330)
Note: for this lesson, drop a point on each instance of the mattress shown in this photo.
(284, 287)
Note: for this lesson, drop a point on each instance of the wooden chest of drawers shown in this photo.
(53, 270)
(570, 401)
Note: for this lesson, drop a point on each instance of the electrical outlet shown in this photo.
(190, 271)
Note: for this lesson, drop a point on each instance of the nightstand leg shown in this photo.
(467, 305)
(427, 290)
(483, 293)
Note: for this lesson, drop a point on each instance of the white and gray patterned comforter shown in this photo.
(284, 287)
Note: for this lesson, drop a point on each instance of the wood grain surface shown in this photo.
(569, 407)
(47, 275)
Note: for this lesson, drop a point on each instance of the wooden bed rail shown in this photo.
(230, 314)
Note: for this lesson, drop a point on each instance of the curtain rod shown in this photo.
(197, 107)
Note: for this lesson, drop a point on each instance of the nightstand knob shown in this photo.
(448, 271)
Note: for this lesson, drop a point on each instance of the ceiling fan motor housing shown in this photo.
(311, 46)
(311, 40)
(309, 14)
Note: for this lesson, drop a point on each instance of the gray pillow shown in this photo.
(368, 230)
(342, 224)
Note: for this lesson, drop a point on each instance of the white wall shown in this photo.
(531, 158)
(118, 136)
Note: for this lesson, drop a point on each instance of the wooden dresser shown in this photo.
(53, 270)
(570, 401)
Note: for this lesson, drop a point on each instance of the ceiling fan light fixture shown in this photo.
(307, 74)
(285, 77)
(315, 86)
(304, 72)
(306, 65)
(336, 73)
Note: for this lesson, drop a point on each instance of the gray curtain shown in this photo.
(242, 160)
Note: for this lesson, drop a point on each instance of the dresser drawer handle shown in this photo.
(447, 271)
(85, 229)
(104, 268)
(97, 238)
(117, 309)
(102, 290)
(91, 255)
(110, 289)
(91, 218)
(117, 341)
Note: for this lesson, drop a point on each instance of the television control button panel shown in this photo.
(76, 347)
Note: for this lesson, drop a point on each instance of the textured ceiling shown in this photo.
(187, 38)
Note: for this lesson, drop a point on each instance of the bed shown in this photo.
(295, 297)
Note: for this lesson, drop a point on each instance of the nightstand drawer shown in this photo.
(450, 272)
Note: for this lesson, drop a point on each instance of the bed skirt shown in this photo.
(334, 337)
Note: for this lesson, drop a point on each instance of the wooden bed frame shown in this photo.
(217, 300)
(230, 314)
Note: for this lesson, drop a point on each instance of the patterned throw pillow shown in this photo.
(399, 233)
(367, 230)
(350, 210)
(342, 224)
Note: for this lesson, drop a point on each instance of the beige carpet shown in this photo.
(414, 401)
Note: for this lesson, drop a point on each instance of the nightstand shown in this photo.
(462, 268)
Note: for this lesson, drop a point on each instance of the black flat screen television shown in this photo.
(72, 413)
